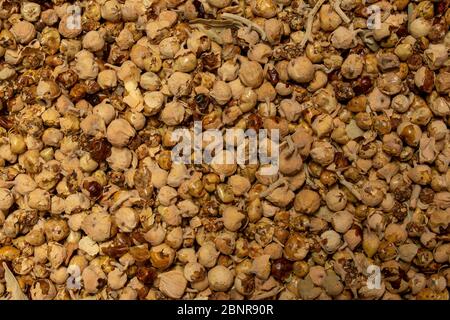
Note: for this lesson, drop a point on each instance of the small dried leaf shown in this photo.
(13, 286)
(353, 131)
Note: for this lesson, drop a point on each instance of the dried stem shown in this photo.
(310, 21)
(340, 12)
(273, 186)
(247, 22)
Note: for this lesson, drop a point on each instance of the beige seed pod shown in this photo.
(342, 38)
(329, 19)
(194, 271)
(68, 28)
(126, 219)
(23, 31)
(179, 83)
(330, 241)
(97, 225)
(107, 79)
(162, 256)
(111, 11)
(221, 92)
(336, 200)
(342, 221)
(232, 218)
(186, 255)
(263, 8)
(300, 70)
(370, 243)
(207, 255)
(372, 193)
(219, 3)
(407, 252)
(30, 11)
(6, 199)
(93, 41)
(261, 267)
(239, 185)
(274, 30)
(220, 278)
(332, 284)
(352, 66)
(290, 162)
(307, 201)
(223, 163)
(251, 74)
(119, 132)
(117, 279)
(92, 276)
(420, 27)
(42, 289)
(156, 235)
(85, 65)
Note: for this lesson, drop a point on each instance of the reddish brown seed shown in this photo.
(272, 76)
(362, 85)
(54, 61)
(402, 31)
(94, 188)
(6, 122)
(78, 91)
(210, 61)
(428, 82)
(142, 292)
(135, 142)
(67, 78)
(146, 274)
(117, 178)
(100, 149)
(426, 195)
(343, 91)
(414, 62)
(115, 252)
(395, 121)
(441, 6)
(403, 193)
(437, 32)
(92, 86)
(340, 160)
(138, 237)
(255, 122)
(200, 9)
(281, 268)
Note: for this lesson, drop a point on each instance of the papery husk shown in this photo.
(12, 286)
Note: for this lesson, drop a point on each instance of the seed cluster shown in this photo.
(93, 207)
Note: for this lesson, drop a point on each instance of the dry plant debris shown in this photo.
(93, 207)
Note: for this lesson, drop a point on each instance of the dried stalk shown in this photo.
(310, 21)
(340, 12)
(246, 22)
(12, 285)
